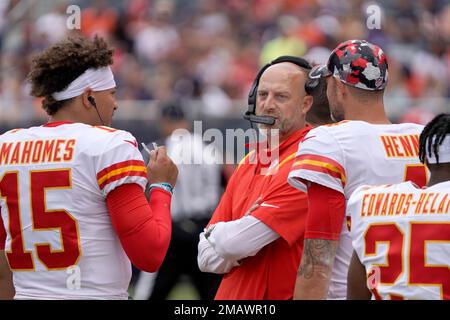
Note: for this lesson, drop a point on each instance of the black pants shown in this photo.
(181, 259)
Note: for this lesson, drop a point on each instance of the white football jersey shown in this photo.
(401, 235)
(54, 180)
(348, 154)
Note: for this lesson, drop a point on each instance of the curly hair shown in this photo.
(55, 68)
(433, 135)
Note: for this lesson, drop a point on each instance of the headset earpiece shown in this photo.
(310, 85)
(92, 101)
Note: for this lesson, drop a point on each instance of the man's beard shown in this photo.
(266, 130)
(273, 130)
(262, 126)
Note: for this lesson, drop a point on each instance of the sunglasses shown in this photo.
(317, 72)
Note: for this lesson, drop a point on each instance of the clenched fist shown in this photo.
(161, 168)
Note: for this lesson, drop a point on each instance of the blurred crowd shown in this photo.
(209, 51)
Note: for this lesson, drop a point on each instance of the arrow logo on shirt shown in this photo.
(269, 205)
(134, 143)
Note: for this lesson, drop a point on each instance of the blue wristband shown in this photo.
(163, 185)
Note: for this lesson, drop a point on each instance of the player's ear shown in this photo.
(307, 104)
(84, 97)
(341, 89)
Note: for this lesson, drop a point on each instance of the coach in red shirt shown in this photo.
(255, 236)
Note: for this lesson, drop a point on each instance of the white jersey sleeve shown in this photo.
(118, 162)
(319, 159)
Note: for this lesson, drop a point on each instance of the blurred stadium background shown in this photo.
(206, 53)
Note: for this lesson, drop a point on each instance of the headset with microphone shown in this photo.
(250, 114)
(92, 102)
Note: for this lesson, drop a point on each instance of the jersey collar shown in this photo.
(295, 137)
(56, 124)
(262, 147)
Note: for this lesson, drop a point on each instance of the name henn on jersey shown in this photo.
(390, 204)
(401, 146)
(36, 151)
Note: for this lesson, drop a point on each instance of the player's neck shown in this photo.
(369, 113)
(434, 181)
(69, 114)
(438, 175)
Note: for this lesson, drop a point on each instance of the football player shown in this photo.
(72, 191)
(401, 233)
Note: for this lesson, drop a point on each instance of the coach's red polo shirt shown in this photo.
(271, 273)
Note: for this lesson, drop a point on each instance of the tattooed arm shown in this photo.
(323, 227)
(314, 274)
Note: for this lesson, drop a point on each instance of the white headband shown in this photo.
(443, 151)
(96, 79)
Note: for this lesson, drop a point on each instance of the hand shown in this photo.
(161, 168)
(254, 206)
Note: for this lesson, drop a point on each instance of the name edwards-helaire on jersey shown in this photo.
(202, 311)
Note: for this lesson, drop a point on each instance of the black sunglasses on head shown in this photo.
(317, 72)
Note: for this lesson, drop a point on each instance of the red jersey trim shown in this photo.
(13, 130)
(120, 170)
(282, 163)
(116, 177)
(105, 128)
(56, 124)
(320, 164)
